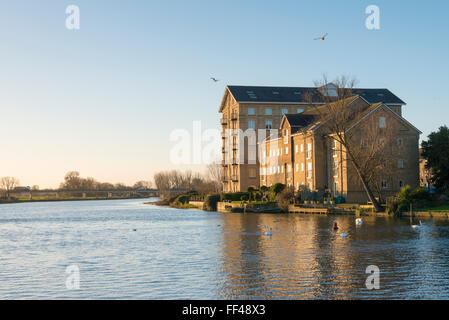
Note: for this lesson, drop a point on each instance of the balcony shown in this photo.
(224, 121)
(234, 116)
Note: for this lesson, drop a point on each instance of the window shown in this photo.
(384, 184)
(251, 124)
(309, 151)
(277, 153)
(284, 111)
(296, 149)
(251, 156)
(286, 137)
(279, 169)
(399, 142)
(382, 123)
(297, 167)
(251, 94)
(286, 150)
(268, 125)
(400, 164)
(335, 168)
(252, 172)
(268, 112)
(282, 169)
(302, 167)
(302, 148)
(401, 183)
(309, 170)
(289, 168)
(299, 110)
(251, 111)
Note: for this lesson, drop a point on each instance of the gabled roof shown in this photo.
(377, 106)
(297, 95)
(298, 121)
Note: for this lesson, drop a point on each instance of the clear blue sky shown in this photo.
(103, 100)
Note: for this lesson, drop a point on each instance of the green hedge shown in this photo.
(234, 196)
(210, 203)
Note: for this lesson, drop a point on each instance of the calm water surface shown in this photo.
(191, 254)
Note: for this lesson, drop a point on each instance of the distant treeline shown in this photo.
(73, 182)
(209, 182)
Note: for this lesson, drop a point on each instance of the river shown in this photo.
(125, 249)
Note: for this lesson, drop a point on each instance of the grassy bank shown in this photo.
(43, 199)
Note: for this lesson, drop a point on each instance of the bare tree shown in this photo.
(143, 184)
(8, 184)
(336, 117)
(215, 174)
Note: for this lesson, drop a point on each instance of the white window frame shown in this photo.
(268, 124)
(268, 111)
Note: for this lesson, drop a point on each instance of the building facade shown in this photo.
(303, 155)
(251, 114)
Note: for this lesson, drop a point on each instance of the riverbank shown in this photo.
(12, 201)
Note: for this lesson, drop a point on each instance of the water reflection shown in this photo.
(191, 254)
(306, 259)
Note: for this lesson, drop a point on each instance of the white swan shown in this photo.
(417, 226)
(358, 221)
(344, 235)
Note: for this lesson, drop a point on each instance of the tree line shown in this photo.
(208, 182)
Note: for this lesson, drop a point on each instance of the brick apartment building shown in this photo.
(302, 156)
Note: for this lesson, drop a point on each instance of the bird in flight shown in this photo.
(214, 80)
(321, 38)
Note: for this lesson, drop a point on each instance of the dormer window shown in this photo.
(329, 90)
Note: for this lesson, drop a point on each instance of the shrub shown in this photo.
(277, 188)
(233, 196)
(182, 199)
(443, 199)
(285, 197)
(210, 203)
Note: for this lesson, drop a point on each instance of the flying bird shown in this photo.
(214, 80)
(321, 38)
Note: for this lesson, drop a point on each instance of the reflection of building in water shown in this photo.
(310, 262)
